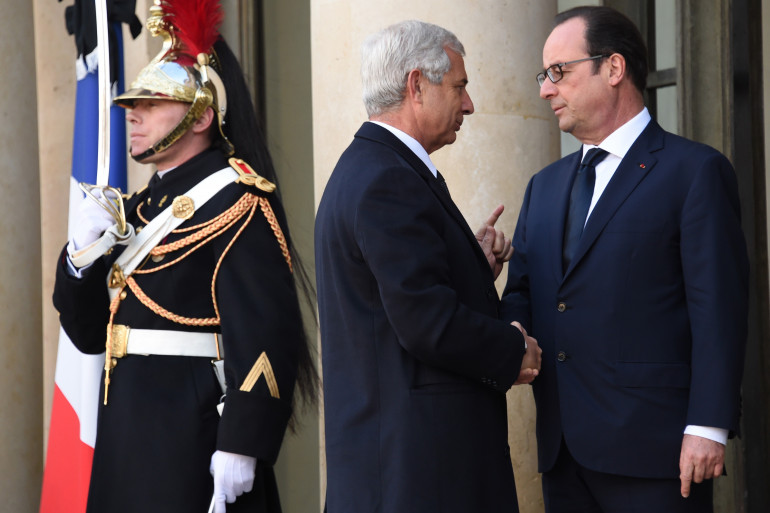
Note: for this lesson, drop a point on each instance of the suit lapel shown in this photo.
(379, 134)
(446, 201)
(637, 163)
(562, 189)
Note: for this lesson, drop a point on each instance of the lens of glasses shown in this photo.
(540, 78)
(554, 73)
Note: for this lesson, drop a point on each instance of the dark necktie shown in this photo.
(579, 201)
(442, 183)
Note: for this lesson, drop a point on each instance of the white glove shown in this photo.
(233, 476)
(91, 221)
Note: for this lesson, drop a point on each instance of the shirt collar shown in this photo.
(412, 144)
(619, 142)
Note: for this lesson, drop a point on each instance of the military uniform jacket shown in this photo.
(156, 435)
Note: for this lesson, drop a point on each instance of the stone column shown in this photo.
(289, 129)
(20, 315)
(55, 68)
(510, 136)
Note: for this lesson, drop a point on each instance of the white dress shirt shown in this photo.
(412, 143)
(616, 145)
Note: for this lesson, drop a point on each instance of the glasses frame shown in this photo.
(551, 72)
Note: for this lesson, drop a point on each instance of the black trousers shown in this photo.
(570, 487)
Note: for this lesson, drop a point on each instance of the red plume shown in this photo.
(197, 23)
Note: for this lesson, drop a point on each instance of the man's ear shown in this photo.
(415, 82)
(203, 123)
(616, 64)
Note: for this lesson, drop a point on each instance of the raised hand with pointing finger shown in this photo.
(495, 245)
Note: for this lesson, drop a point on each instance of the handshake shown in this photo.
(530, 365)
(498, 250)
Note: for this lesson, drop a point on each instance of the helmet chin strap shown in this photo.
(203, 100)
(142, 156)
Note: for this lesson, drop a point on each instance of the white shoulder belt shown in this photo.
(178, 212)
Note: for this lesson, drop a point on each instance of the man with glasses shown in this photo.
(630, 269)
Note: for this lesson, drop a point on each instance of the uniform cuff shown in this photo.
(253, 425)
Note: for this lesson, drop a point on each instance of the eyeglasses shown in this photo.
(555, 73)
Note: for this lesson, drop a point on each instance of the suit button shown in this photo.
(562, 356)
(561, 307)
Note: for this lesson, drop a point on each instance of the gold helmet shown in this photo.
(184, 70)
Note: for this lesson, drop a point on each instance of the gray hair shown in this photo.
(388, 56)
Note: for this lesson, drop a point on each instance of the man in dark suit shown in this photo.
(642, 317)
(416, 362)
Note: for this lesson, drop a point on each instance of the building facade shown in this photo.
(710, 62)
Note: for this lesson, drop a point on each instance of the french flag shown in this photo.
(75, 402)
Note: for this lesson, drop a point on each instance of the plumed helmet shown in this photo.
(186, 67)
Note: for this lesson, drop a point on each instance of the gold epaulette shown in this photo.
(248, 176)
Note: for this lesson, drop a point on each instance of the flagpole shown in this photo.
(76, 390)
(105, 94)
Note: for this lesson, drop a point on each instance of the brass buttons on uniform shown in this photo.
(183, 207)
(561, 356)
(561, 307)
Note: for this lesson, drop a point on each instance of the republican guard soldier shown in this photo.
(188, 284)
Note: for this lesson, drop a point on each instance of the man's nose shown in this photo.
(467, 104)
(548, 89)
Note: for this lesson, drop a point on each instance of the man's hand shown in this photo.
(92, 221)
(496, 247)
(700, 459)
(530, 365)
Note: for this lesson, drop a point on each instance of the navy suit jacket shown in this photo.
(645, 331)
(416, 362)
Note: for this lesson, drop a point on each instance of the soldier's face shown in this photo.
(151, 120)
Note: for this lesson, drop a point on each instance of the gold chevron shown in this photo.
(261, 367)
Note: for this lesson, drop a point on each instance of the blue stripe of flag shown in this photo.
(85, 137)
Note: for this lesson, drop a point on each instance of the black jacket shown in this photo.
(416, 363)
(156, 435)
